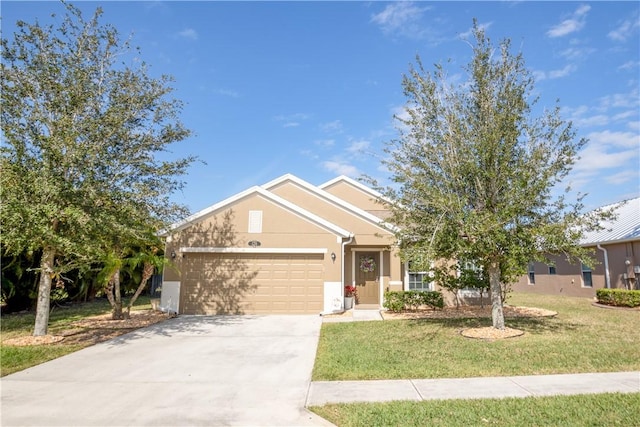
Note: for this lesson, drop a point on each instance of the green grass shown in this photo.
(581, 338)
(14, 359)
(612, 409)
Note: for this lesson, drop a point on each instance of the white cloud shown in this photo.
(325, 143)
(332, 127)
(625, 29)
(563, 72)
(629, 65)
(291, 120)
(341, 168)
(401, 18)
(615, 139)
(227, 92)
(617, 151)
(188, 33)
(622, 177)
(357, 147)
(571, 25)
(634, 125)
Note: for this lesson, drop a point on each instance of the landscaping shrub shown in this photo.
(412, 300)
(618, 297)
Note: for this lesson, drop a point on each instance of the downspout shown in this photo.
(345, 243)
(607, 282)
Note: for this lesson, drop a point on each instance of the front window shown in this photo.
(418, 280)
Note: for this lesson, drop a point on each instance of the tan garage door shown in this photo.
(252, 283)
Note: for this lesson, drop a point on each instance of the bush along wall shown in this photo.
(618, 297)
(412, 300)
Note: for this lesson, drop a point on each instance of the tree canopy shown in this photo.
(84, 153)
(475, 173)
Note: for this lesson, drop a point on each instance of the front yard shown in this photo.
(581, 338)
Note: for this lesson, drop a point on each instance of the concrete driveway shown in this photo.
(201, 371)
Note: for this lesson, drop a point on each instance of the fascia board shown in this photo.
(354, 210)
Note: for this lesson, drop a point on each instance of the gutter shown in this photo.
(607, 281)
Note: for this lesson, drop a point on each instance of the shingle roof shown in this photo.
(625, 227)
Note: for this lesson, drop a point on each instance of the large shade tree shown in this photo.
(475, 172)
(86, 130)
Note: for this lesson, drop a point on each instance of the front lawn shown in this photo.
(581, 338)
(614, 409)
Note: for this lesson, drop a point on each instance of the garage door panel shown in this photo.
(253, 283)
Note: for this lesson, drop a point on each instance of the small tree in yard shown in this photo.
(474, 171)
(82, 132)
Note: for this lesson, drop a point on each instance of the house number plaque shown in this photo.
(254, 243)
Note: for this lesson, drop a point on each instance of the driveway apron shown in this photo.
(191, 370)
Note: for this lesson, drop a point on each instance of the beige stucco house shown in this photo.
(284, 247)
(616, 249)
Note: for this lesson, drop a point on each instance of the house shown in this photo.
(284, 247)
(616, 249)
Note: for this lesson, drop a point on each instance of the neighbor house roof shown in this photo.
(624, 227)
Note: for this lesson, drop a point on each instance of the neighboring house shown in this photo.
(616, 249)
(285, 247)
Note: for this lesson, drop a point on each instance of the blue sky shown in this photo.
(310, 88)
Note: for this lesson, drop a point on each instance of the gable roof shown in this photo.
(625, 227)
(319, 192)
(373, 193)
(311, 217)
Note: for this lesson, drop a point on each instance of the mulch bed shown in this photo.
(92, 330)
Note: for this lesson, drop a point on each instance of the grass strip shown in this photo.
(608, 409)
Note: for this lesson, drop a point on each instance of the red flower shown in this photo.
(350, 291)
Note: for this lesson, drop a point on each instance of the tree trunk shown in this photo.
(497, 315)
(44, 293)
(147, 272)
(113, 295)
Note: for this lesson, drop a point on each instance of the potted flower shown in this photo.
(349, 295)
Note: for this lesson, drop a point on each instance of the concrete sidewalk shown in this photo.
(322, 392)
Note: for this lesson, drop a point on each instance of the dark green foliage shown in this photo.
(86, 130)
(619, 297)
(412, 300)
(474, 172)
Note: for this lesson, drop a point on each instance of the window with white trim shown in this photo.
(255, 221)
(418, 280)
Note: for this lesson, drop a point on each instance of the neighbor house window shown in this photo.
(418, 280)
(255, 221)
(532, 274)
(587, 280)
(552, 269)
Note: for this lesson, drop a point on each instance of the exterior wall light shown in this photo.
(333, 256)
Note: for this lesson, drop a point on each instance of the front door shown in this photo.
(367, 277)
